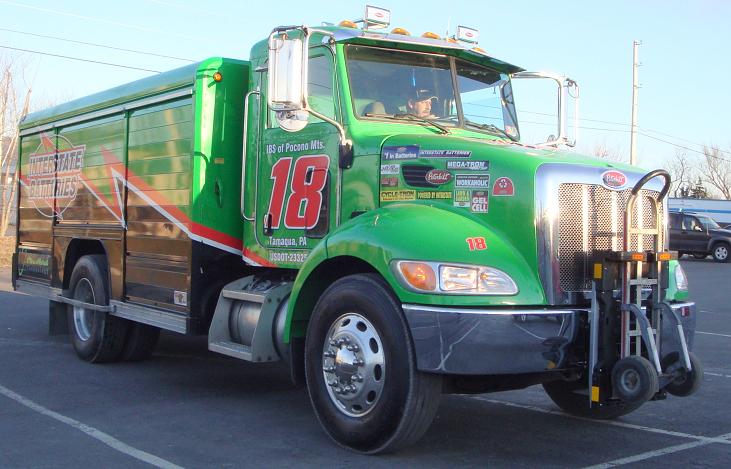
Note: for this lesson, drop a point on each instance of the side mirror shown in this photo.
(697, 228)
(553, 95)
(287, 73)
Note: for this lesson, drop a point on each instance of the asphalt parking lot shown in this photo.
(187, 407)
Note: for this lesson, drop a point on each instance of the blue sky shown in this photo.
(684, 96)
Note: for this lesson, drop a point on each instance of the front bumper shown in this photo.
(489, 342)
(465, 341)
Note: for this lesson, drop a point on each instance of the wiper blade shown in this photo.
(411, 117)
(491, 128)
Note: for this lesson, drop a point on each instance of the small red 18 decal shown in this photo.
(476, 244)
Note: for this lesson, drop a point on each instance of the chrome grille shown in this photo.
(591, 218)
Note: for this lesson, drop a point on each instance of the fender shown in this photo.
(420, 232)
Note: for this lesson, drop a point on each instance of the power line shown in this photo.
(80, 60)
(96, 45)
(688, 148)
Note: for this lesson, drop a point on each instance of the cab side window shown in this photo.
(690, 223)
(676, 222)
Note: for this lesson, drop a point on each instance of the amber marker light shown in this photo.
(418, 275)
(637, 256)
(217, 77)
(664, 256)
(431, 35)
(347, 24)
(400, 31)
(479, 49)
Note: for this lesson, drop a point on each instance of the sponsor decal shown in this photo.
(33, 264)
(479, 202)
(462, 198)
(406, 152)
(480, 181)
(614, 179)
(444, 153)
(438, 177)
(476, 244)
(503, 187)
(295, 257)
(180, 298)
(389, 181)
(441, 195)
(400, 195)
(53, 175)
(393, 168)
(469, 165)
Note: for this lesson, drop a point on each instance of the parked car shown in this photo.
(699, 236)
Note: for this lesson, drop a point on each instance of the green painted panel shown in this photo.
(167, 149)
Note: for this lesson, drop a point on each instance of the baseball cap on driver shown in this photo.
(421, 94)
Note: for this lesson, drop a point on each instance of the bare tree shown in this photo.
(682, 174)
(717, 170)
(14, 104)
(602, 150)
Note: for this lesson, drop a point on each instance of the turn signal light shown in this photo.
(419, 275)
(400, 31)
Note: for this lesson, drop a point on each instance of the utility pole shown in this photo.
(635, 87)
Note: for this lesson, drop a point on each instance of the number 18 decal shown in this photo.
(305, 199)
(476, 244)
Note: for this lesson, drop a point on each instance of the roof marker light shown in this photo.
(347, 24)
(431, 35)
(217, 77)
(400, 31)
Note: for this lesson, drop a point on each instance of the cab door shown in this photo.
(298, 170)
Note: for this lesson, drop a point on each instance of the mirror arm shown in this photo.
(346, 145)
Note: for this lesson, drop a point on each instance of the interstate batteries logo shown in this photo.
(53, 174)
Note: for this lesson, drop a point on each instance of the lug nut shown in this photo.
(328, 354)
(328, 369)
(358, 362)
(357, 378)
(353, 347)
(333, 342)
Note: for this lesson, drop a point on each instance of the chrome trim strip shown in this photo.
(491, 312)
(38, 289)
(188, 91)
(244, 153)
(549, 177)
(165, 320)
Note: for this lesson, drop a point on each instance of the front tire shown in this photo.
(361, 370)
(721, 252)
(97, 337)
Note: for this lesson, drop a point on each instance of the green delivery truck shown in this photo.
(359, 204)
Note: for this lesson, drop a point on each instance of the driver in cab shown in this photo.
(419, 103)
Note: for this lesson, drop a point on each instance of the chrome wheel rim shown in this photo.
(721, 252)
(353, 365)
(83, 318)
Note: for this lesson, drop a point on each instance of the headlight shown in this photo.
(454, 279)
(681, 281)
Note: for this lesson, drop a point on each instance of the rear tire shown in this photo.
(721, 252)
(687, 382)
(568, 396)
(96, 336)
(140, 343)
(361, 370)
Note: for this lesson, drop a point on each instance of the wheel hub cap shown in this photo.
(353, 365)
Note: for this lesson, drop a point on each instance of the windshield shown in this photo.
(708, 223)
(386, 83)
